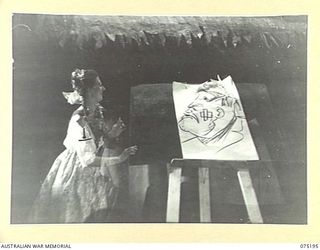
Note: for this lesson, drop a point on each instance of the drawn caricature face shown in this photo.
(208, 114)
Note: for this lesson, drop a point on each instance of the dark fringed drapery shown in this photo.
(130, 50)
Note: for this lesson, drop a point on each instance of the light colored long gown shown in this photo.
(74, 189)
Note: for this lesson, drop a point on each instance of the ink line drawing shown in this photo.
(211, 118)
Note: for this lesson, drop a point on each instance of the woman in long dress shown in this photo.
(79, 183)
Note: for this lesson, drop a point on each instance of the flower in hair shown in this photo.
(79, 74)
(77, 79)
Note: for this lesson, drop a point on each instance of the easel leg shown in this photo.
(173, 203)
(249, 196)
(204, 195)
(138, 185)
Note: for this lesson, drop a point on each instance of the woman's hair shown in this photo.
(83, 79)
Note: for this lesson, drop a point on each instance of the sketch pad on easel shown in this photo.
(211, 121)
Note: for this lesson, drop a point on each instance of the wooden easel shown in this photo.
(174, 190)
(152, 107)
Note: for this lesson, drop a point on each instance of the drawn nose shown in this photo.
(194, 105)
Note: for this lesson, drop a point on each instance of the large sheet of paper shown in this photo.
(211, 121)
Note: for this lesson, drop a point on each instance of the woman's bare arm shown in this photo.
(105, 159)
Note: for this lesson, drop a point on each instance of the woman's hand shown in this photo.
(117, 129)
(127, 152)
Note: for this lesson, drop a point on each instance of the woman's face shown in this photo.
(96, 92)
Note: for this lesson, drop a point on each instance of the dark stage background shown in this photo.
(130, 51)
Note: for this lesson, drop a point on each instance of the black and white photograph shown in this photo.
(159, 119)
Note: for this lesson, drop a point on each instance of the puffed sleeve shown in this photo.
(86, 149)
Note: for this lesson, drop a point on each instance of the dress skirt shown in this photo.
(71, 193)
